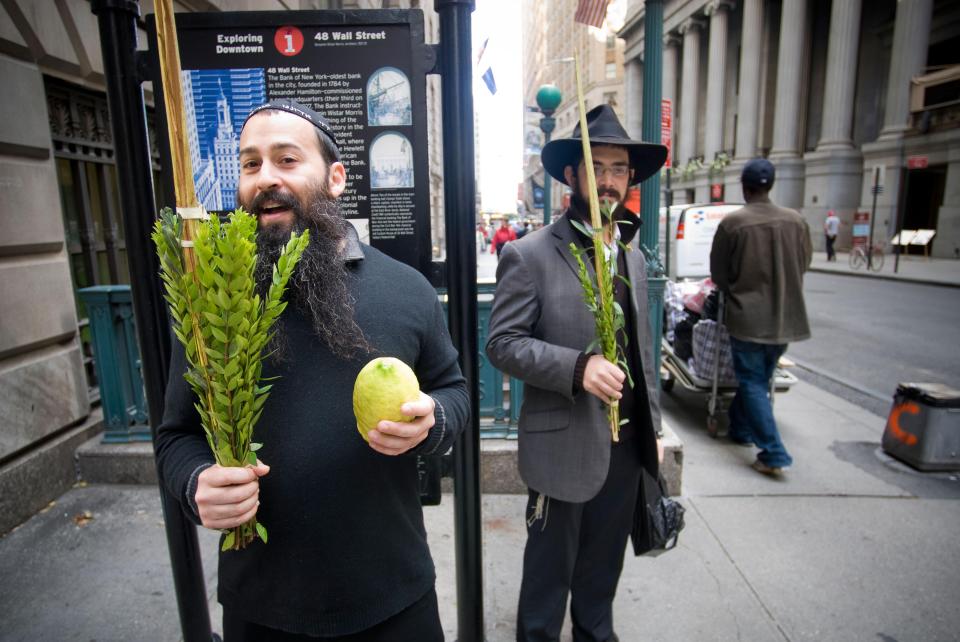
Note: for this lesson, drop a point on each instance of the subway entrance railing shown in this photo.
(117, 361)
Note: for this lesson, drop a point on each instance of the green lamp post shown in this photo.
(548, 99)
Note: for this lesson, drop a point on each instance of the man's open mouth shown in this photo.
(273, 209)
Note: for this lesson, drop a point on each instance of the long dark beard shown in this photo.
(319, 284)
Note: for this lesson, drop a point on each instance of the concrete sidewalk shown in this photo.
(849, 545)
(916, 269)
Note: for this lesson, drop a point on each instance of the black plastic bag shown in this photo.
(657, 519)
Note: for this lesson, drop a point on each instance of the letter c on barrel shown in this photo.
(909, 407)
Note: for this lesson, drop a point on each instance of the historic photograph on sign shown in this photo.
(388, 98)
(391, 162)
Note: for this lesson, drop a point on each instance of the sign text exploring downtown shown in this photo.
(367, 79)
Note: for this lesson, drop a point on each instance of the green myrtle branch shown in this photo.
(597, 286)
(224, 327)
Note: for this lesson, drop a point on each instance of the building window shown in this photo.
(89, 195)
(611, 70)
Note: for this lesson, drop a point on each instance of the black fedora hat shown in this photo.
(604, 129)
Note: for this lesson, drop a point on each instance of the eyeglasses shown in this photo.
(617, 171)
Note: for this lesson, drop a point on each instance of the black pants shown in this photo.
(831, 253)
(419, 622)
(578, 549)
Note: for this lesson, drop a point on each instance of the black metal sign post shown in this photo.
(459, 205)
(118, 40)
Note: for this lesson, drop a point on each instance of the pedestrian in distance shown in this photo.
(582, 485)
(504, 235)
(758, 258)
(347, 554)
(831, 226)
(481, 237)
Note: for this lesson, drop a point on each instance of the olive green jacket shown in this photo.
(758, 258)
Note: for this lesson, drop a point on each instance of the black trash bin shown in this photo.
(923, 428)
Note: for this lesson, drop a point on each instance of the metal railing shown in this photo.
(116, 357)
(117, 362)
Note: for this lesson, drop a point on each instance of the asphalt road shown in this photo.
(870, 334)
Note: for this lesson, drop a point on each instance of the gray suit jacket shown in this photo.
(539, 325)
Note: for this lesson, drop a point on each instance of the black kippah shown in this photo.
(304, 112)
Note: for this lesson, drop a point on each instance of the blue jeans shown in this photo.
(751, 415)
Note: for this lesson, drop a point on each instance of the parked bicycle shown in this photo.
(867, 256)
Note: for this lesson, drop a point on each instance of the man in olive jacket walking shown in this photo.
(758, 258)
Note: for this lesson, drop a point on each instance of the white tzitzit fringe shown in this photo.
(540, 510)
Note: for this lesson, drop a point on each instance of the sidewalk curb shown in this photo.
(884, 277)
(826, 374)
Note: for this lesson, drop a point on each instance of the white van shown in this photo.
(691, 236)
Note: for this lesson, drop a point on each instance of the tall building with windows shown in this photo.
(63, 228)
(838, 94)
(226, 154)
(551, 39)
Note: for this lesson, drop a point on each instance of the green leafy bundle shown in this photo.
(608, 316)
(224, 326)
(598, 287)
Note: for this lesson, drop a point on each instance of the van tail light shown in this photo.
(680, 230)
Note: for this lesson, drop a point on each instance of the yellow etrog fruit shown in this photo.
(382, 386)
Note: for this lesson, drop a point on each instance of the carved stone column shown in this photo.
(841, 83)
(633, 88)
(690, 90)
(911, 36)
(718, 10)
(748, 95)
(791, 66)
(669, 88)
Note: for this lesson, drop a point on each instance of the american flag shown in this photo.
(591, 12)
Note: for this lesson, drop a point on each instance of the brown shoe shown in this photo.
(761, 467)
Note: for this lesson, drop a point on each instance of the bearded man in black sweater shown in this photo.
(348, 556)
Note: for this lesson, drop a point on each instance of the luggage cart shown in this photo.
(719, 393)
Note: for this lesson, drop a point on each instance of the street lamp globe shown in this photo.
(548, 98)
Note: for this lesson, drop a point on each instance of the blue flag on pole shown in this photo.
(488, 74)
(490, 82)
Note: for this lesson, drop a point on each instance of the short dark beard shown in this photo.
(318, 286)
(579, 201)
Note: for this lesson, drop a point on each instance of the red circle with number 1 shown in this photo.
(288, 41)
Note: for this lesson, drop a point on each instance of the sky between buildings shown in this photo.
(500, 115)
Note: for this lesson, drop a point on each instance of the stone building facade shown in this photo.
(62, 228)
(829, 90)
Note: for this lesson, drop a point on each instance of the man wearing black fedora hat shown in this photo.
(582, 486)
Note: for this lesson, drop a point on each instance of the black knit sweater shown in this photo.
(347, 545)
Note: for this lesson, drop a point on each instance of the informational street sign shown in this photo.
(632, 200)
(666, 128)
(917, 162)
(364, 71)
(716, 193)
(903, 237)
(861, 228)
(537, 196)
(922, 237)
